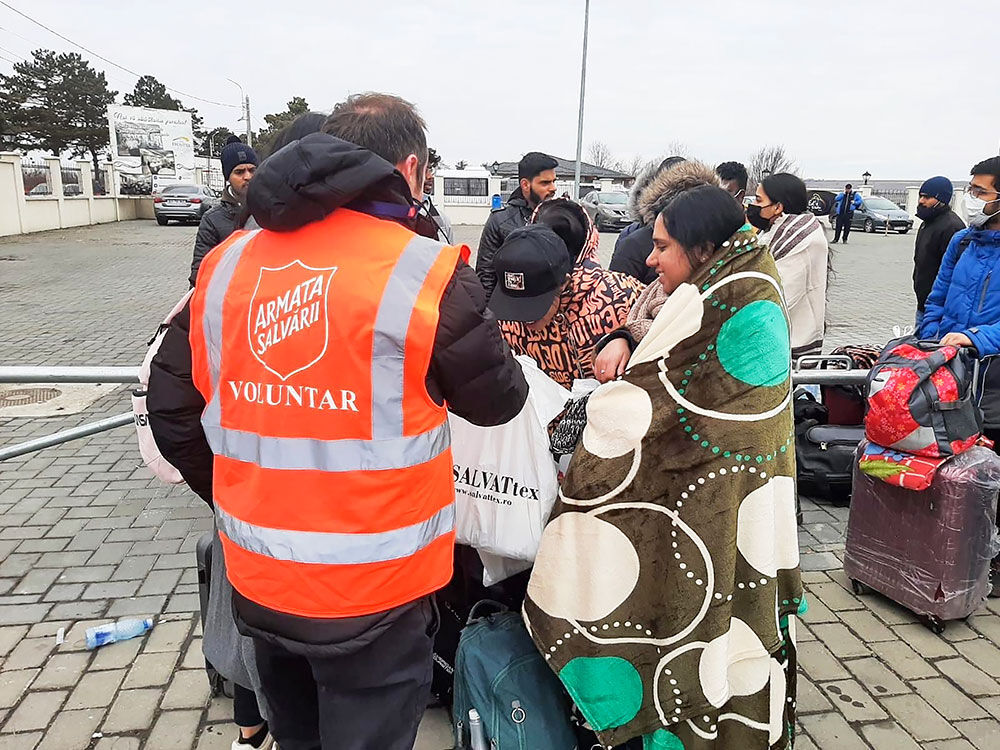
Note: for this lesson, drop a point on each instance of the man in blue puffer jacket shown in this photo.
(964, 305)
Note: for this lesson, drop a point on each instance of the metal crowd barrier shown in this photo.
(130, 375)
(21, 374)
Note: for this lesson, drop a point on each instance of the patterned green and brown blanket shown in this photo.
(666, 587)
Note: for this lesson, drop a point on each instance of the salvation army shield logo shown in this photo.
(288, 325)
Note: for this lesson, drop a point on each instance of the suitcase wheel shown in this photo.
(216, 684)
(934, 624)
(859, 588)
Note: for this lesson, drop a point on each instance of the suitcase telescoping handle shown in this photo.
(496, 606)
(842, 361)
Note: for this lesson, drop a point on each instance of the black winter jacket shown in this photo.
(503, 221)
(631, 252)
(215, 226)
(471, 369)
(932, 241)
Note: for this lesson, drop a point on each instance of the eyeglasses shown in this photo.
(977, 192)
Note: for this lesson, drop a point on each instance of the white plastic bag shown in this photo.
(505, 477)
(496, 568)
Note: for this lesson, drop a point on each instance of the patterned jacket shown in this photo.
(594, 303)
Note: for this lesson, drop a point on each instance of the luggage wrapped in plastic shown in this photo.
(928, 550)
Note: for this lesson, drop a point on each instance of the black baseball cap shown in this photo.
(531, 267)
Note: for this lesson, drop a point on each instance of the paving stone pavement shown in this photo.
(86, 535)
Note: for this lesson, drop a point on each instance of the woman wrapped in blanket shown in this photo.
(666, 589)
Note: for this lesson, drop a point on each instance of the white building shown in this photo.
(466, 196)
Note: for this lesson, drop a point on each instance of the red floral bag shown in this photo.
(921, 399)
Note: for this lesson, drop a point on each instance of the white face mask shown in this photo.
(975, 211)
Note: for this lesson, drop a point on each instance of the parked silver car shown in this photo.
(183, 203)
(608, 209)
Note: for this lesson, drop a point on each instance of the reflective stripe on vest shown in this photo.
(389, 448)
(327, 548)
(327, 455)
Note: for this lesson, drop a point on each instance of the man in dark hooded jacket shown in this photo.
(651, 192)
(635, 242)
(537, 175)
(939, 225)
(345, 681)
(239, 162)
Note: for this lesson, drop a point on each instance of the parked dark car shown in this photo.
(183, 203)
(877, 212)
(608, 209)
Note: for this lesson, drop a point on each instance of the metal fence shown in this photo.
(24, 374)
(130, 375)
(898, 196)
(72, 181)
(37, 179)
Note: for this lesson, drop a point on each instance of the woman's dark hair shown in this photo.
(701, 219)
(568, 220)
(788, 190)
(303, 125)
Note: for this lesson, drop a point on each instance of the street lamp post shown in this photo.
(583, 89)
(866, 176)
(245, 102)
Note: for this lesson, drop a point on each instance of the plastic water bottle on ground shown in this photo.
(476, 735)
(122, 630)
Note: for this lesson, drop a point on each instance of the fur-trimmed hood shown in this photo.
(654, 189)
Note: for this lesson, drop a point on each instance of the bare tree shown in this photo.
(769, 160)
(600, 155)
(632, 166)
(460, 165)
(678, 148)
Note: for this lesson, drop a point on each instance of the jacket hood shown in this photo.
(516, 198)
(668, 184)
(981, 236)
(228, 197)
(642, 181)
(310, 178)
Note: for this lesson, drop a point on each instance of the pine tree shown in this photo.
(149, 92)
(297, 106)
(57, 103)
(215, 139)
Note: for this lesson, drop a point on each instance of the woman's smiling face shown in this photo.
(668, 257)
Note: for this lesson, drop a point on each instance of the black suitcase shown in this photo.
(824, 458)
(219, 685)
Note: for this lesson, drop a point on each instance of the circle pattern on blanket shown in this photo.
(766, 529)
(753, 345)
(606, 689)
(618, 417)
(735, 663)
(661, 739)
(777, 703)
(590, 565)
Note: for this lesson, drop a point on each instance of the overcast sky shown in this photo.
(901, 89)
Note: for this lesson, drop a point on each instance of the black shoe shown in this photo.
(994, 592)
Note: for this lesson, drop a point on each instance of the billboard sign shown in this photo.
(150, 148)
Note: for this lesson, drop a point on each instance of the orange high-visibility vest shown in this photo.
(333, 481)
